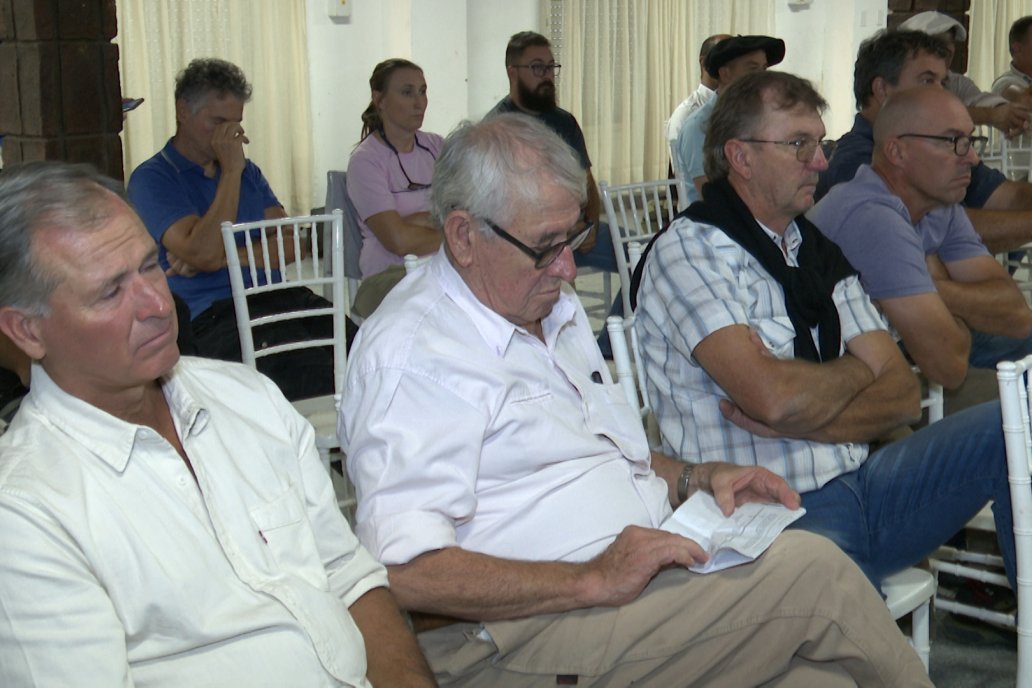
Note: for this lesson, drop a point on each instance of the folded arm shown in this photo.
(854, 398)
(938, 341)
(403, 235)
(981, 293)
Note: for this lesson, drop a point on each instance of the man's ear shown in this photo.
(458, 234)
(24, 330)
(893, 152)
(182, 110)
(737, 155)
(880, 89)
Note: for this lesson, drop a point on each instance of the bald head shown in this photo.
(921, 110)
(923, 150)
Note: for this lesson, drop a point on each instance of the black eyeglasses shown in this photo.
(805, 148)
(540, 69)
(542, 259)
(412, 186)
(961, 144)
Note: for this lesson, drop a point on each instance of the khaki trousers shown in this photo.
(801, 615)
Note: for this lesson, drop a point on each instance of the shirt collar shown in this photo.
(111, 439)
(789, 243)
(495, 330)
(177, 160)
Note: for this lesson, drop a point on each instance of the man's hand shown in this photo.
(1012, 119)
(228, 141)
(178, 266)
(733, 485)
(621, 572)
(736, 415)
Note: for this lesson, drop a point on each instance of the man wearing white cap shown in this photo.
(985, 108)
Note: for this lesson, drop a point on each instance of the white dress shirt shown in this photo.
(698, 280)
(463, 429)
(120, 569)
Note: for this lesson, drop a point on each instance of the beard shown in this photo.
(541, 99)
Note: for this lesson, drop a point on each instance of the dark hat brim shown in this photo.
(736, 46)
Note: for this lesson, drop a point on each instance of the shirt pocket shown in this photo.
(608, 414)
(283, 526)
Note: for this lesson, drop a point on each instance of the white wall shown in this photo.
(821, 42)
(460, 44)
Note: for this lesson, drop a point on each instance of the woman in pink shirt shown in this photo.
(391, 168)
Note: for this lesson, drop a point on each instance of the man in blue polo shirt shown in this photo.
(893, 61)
(184, 193)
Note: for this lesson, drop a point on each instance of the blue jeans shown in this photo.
(989, 349)
(912, 495)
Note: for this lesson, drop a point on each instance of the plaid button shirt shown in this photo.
(697, 281)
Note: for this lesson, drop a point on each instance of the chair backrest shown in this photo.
(1016, 157)
(630, 373)
(1013, 380)
(264, 243)
(412, 261)
(635, 212)
(337, 197)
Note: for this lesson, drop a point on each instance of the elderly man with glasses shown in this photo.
(900, 223)
(761, 348)
(509, 488)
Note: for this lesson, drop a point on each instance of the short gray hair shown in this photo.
(206, 75)
(497, 166)
(38, 195)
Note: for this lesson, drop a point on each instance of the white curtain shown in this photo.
(265, 38)
(628, 63)
(988, 54)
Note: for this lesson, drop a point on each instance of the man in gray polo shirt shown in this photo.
(900, 224)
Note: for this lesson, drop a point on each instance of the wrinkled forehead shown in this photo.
(800, 119)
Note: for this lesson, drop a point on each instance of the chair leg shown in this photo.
(920, 621)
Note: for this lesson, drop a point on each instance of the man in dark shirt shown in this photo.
(532, 69)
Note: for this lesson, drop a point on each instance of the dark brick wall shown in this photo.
(60, 95)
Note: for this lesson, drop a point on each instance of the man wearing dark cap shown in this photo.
(706, 91)
(728, 60)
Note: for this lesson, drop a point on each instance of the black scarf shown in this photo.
(807, 288)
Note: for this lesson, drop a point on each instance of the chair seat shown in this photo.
(321, 412)
(984, 520)
(907, 590)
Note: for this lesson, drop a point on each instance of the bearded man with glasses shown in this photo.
(900, 223)
(532, 70)
(761, 348)
(508, 485)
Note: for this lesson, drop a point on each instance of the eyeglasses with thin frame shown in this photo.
(805, 147)
(961, 144)
(412, 186)
(539, 69)
(542, 259)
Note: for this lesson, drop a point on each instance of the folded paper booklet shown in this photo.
(729, 540)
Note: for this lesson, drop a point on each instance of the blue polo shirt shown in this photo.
(168, 187)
